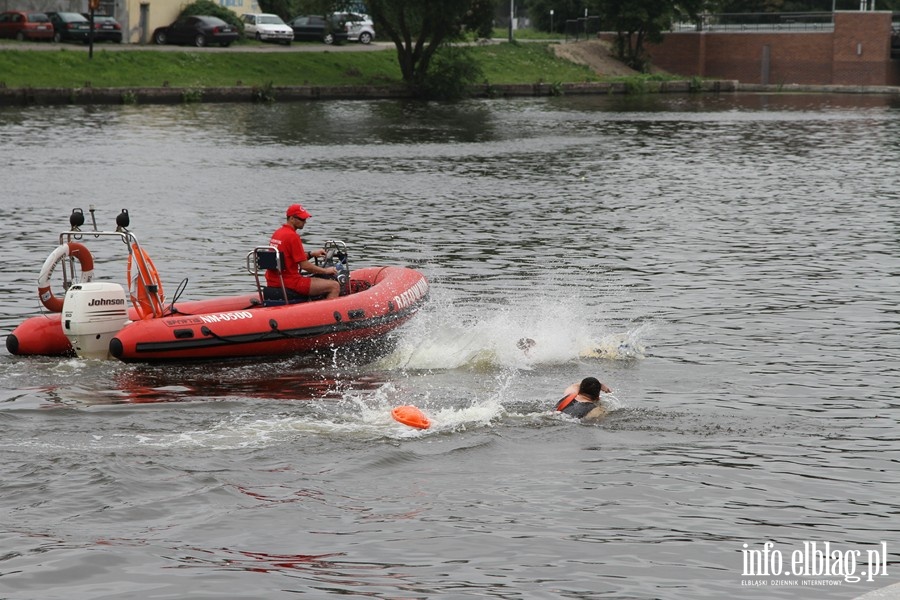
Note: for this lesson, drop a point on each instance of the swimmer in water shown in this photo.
(525, 345)
(582, 400)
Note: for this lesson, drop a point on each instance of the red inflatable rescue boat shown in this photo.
(94, 320)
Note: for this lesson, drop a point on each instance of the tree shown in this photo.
(208, 7)
(747, 6)
(419, 28)
(640, 21)
(288, 9)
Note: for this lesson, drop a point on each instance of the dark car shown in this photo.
(198, 30)
(69, 27)
(24, 25)
(320, 29)
(106, 29)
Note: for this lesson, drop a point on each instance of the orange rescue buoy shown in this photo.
(145, 287)
(412, 416)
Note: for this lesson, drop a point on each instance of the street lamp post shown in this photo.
(551, 21)
(512, 13)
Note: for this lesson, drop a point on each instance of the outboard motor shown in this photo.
(92, 314)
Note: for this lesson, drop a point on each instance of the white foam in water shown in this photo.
(360, 415)
(619, 346)
(449, 336)
(375, 411)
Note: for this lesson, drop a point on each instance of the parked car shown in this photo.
(267, 28)
(69, 27)
(23, 25)
(199, 30)
(316, 28)
(106, 29)
(359, 27)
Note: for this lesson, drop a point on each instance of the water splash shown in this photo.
(516, 335)
(624, 345)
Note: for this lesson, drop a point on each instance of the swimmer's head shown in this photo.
(590, 386)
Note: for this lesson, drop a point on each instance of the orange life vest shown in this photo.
(562, 404)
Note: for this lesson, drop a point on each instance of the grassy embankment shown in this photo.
(69, 67)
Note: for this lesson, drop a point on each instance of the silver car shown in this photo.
(360, 27)
(266, 27)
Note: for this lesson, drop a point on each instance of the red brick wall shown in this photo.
(792, 58)
(860, 48)
(856, 53)
(682, 52)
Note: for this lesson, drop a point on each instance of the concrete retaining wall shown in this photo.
(171, 95)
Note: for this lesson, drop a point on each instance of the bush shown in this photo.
(451, 72)
(210, 8)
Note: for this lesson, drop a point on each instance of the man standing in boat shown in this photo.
(287, 240)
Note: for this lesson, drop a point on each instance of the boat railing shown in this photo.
(127, 237)
(142, 277)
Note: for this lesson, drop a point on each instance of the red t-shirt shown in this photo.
(290, 245)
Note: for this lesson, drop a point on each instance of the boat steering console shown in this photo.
(336, 256)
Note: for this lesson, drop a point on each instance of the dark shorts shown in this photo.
(579, 409)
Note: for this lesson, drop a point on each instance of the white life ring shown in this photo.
(75, 250)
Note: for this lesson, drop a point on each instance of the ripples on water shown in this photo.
(728, 264)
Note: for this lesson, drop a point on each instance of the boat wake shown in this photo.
(360, 417)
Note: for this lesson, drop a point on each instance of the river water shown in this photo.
(728, 265)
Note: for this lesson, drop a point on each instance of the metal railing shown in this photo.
(794, 21)
(822, 21)
(582, 28)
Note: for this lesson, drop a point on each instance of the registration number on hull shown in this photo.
(211, 318)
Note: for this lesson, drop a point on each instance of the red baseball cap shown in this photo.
(295, 210)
